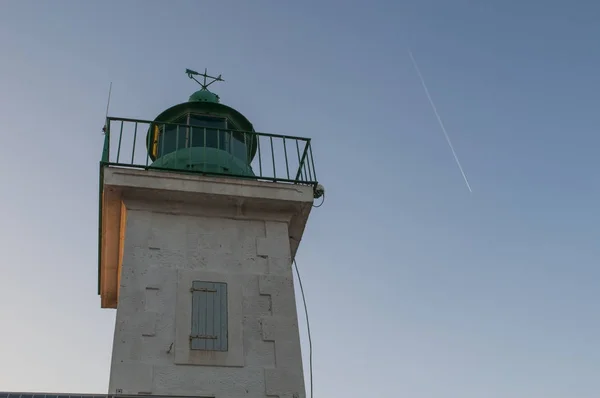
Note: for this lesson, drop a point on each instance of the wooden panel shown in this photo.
(209, 316)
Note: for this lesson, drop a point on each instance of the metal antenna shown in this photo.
(204, 84)
(107, 105)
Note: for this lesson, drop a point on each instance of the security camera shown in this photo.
(319, 191)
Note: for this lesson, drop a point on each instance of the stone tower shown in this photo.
(197, 236)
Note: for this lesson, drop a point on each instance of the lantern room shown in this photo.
(202, 135)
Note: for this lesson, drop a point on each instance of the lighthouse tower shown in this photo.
(200, 219)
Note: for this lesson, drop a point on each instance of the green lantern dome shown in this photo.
(202, 135)
(204, 96)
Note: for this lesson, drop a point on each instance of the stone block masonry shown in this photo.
(165, 249)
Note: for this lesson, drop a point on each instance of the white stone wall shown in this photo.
(164, 251)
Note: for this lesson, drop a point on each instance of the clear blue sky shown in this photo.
(416, 288)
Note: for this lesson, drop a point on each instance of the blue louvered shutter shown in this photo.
(209, 316)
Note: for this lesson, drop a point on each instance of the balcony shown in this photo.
(187, 148)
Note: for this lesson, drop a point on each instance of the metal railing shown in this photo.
(278, 158)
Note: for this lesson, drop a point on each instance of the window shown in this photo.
(204, 131)
(174, 136)
(209, 316)
(239, 142)
(214, 126)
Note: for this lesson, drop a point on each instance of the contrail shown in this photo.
(439, 119)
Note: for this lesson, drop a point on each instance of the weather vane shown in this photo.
(204, 84)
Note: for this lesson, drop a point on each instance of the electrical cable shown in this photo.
(323, 201)
(310, 350)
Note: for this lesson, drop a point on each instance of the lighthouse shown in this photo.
(200, 219)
